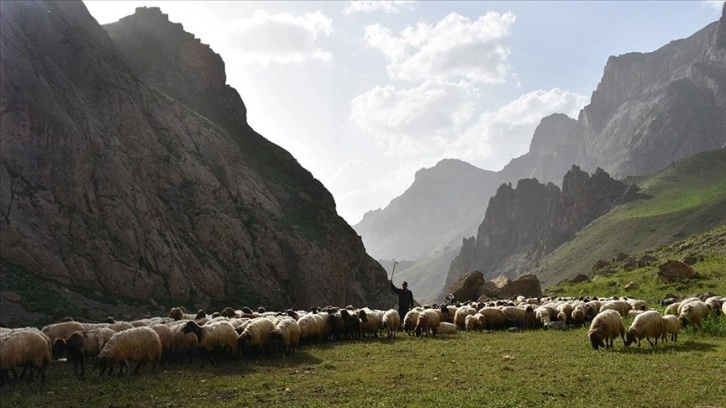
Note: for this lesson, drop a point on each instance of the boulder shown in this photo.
(673, 271)
(629, 263)
(468, 287)
(525, 285)
(601, 263)
(689, 260)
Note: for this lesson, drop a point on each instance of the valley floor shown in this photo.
(530, 369)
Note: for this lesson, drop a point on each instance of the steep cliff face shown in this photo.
(135, 173)
(525, 223)
(443, 203)
(651, 109)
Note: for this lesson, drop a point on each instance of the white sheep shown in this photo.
(391, 322)
(428, 322)
(166, 336)
(579, 314)
(410, 320)
(645, 325)
(693, 312)
(138, 344)
(28, 347)
(256, 335)
(120, 326)
(671, 326)
(183, 344)
(285, 336)
(370, 321)
(605, 327)
(620, 306)
(212, 337)
(714, 303)
(672, 309)
(61, 330)
(308, 326)
(494, 318)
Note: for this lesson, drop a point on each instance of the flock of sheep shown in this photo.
(228, 333)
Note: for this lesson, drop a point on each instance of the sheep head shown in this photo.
(59, 346)
(595, 339)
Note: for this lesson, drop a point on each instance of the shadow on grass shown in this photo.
(667, 348)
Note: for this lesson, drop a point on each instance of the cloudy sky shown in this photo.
(365, 93)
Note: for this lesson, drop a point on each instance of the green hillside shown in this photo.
(687, 198)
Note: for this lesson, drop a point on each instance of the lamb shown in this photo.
(556, 325)
(475, 322)
(211, 337)
(460, 316)
(256, 335)
(605, 327)
(671, 326)
(285, 336)
(28, 347)
(139, 344)
(647, 324)
(82, 344)
(428, 321)
(391, 322)
(693, 313)
(446, 328)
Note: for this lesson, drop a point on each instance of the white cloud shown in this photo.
(284, 38)
(714, 4)
(367, 6)
(411, 121)
(506, 133)
(456, 47)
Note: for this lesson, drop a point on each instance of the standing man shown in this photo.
(405, 298)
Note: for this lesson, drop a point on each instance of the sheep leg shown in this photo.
(136, 370)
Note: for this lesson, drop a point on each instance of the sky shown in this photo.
(366, 93)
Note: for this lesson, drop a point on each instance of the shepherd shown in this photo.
(405, 296)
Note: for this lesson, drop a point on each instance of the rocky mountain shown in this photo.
(127, 167)
(648, 111)
(442, 204)
(524, 224)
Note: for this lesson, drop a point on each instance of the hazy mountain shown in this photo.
(440, 206)
(648, 111)
(127, 167)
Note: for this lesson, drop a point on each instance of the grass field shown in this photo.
(535, 368)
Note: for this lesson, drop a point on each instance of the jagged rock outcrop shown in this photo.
(136, 174)
(473, 286)
(525, 223)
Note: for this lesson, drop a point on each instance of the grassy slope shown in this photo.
(546, 369)
(711, 247)
(688, 197)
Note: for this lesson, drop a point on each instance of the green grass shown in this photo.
(543, 369)
(686, 198)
